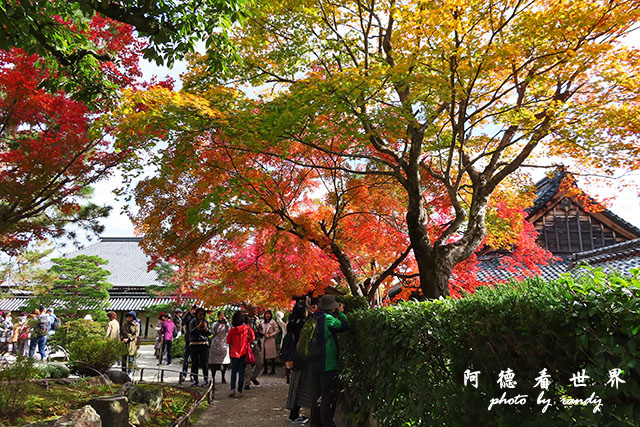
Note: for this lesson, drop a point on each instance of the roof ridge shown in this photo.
(611, 249)
(121, 239)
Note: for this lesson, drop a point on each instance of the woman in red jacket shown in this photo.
(238, 339)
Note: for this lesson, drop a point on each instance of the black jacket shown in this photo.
(289, 347)
(186, 320)
(196, 334)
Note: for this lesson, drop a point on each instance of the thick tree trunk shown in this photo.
(433, 266)
(434, 278)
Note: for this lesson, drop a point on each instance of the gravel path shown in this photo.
(262, 406)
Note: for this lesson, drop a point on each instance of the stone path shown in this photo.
(262, 406)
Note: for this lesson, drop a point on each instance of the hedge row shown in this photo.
(406, 364)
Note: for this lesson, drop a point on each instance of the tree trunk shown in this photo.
(434, 276)
(347, 269)
(433, 268)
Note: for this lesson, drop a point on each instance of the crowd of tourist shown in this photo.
(28, 332)
(246, 346)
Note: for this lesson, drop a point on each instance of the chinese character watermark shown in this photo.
(543, 380)
(505, 379)
(614, 377)
(579, 379)
(471, 378)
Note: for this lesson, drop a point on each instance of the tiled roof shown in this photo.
(621, 257)
(13, 304)
(492, 270)
(116, 304)
(546, 188)
(127, 262)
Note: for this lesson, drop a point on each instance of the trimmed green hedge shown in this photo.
(405, 364)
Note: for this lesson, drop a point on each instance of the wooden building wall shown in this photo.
(566, 229)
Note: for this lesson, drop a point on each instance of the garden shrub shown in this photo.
(77, 330)
(405, 364)
(14, 380)
(352, 303)
(53, 370)
(90, 357)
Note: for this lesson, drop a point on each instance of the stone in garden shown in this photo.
(136, 394)
(113, 410)
(83, 417)
(130, 391)
(141, 416)
(151, 396)
(117, 376)
(98, 380)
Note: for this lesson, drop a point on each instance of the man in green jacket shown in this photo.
(331, 320)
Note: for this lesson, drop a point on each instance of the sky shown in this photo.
(623, 202)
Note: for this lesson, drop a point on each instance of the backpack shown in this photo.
(309, 346)
(24, 333)
(175, 331)
(56, 324)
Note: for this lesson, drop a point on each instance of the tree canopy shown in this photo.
(61, 33)
(50, 151)
(80, 286)
(455, 94)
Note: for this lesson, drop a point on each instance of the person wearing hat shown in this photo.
(331, 320)
(130, 332)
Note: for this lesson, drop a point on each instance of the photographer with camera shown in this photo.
(199, 333)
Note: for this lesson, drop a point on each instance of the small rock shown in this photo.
(83, 417)
(99, 380)
(117, 376)
(152, 397)
(136, 394)
(141, 416)
(113, 410)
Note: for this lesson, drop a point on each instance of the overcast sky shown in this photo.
(625, 202)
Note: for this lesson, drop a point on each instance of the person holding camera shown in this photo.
(330, 320)
(199, 333)
(129, 333)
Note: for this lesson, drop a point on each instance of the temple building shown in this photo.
(574, 233)
(129, 276)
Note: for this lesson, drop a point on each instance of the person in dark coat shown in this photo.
(186, 319)
(199, 333)
(300, 384)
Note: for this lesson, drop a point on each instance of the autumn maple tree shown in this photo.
(241, 225)
(443, 101)
(458, 93)
(50, 153)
